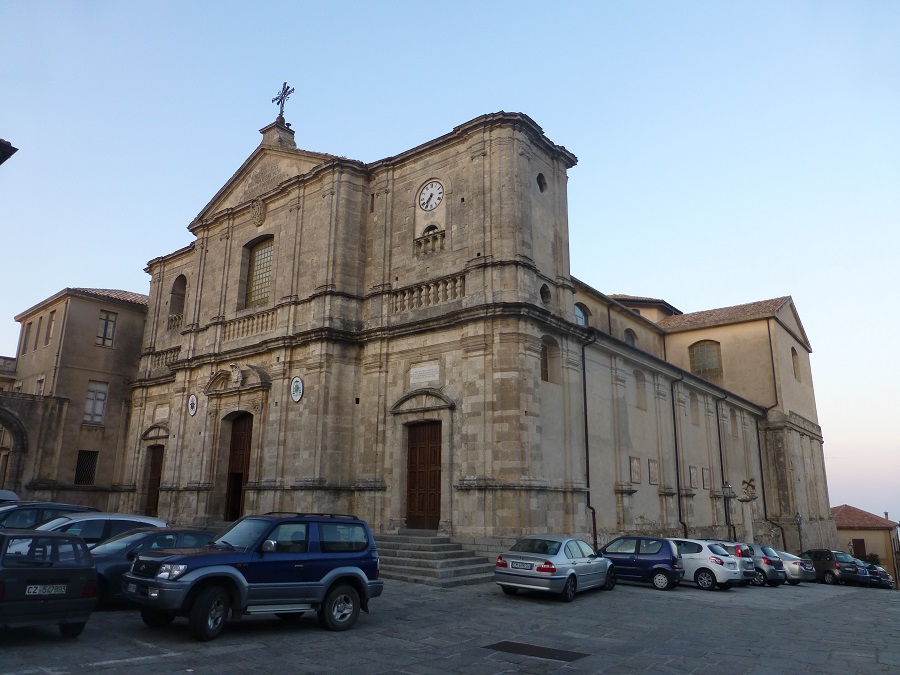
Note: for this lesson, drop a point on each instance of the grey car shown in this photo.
(797, 569)
(769, 567)
(553, 564)
(97, 527)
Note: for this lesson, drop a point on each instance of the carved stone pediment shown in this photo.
(422, 400)
(238, 378)
(155, 432)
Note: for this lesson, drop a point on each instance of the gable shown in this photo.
(787, 316)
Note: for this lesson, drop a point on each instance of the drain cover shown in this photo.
(536, 651)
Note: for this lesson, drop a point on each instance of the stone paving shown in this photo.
(419, 629)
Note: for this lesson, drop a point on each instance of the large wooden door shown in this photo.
(154, 478)
(238, 465)
(423, 491)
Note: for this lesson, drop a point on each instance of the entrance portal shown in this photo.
(423, 491)
(238, 465)
(154, 478)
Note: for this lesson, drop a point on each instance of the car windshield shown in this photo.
(843, 557)
(539, 546)
(771, 552)
(118, 543)
(243, 534)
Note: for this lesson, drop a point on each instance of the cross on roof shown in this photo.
(282, 97)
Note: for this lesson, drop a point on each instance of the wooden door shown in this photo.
(154, 478)
(238, 465)
(423, 492)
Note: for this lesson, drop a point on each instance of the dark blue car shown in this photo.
(652, 559)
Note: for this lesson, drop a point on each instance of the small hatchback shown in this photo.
(559, 565)
(46, 578)
(708, 564)
(744, 557)
(769, 567)
(652, 559)
(95, 528)
(797, 569)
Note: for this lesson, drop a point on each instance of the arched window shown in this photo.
(431, 229)
(795, 360)
(582, 315)
(695, 409)
(706, 359)
(640, 384)
(176, 299)
(550, 360)
(259, 257)
(630, 337)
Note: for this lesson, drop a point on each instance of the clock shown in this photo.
(431, 195)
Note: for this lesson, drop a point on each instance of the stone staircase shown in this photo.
(424, 557)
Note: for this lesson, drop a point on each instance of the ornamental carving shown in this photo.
(258, 211)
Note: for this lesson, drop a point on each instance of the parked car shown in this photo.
(652, 559)
(276, 563)
(744, 557)
(832, 567)
(97, 527)
(865, 576)
(114, 556)
(885, 580)
(46, 578)
(28, 514)
(8, 496)
(554, 564)
(769, 567)
(708, 564)
(797, 569)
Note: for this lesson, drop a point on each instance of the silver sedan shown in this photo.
(797, 569)
(554, 564)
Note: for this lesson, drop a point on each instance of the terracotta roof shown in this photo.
(113, 294)
(725, 315)
(851, 518)
(623, 296)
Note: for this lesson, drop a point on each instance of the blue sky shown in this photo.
(728, 152)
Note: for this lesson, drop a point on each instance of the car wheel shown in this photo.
(794, 582)
(705, 580)
(509, 590)
(71, 630)
(155, 618)
(759, 579)
(661, 581)
(341, 608)
(209, 613)
(610, 582)
(830, 579)
(569, 590)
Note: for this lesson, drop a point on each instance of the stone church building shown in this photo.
(404, 340)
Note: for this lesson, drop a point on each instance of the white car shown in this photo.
(708, 564)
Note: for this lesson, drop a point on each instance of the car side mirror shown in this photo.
(269, 546)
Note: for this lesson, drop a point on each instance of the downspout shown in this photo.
(762, 472)
(684, 527)
(730, 519)
(587, 451)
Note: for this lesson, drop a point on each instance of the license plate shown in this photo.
(46, 589)
(520, 566)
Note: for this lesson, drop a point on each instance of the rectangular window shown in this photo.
(50, 321)
(259, 277)
(107, 328)
(95, 403)
(26, 338)
(37, 334)
(86, 468)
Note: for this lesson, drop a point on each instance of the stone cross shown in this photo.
(282, 97)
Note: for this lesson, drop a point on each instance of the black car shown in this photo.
(26, 515)
(275, 563)
(113, 557)
(652, 559)
(46, 578)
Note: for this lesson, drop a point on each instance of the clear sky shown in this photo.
(728, 152)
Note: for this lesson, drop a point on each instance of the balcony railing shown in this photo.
(429, 294)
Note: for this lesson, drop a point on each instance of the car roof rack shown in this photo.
(311, 515)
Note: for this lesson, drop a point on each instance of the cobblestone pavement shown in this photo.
(477, 629)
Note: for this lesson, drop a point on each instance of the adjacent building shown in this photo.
(866, 535)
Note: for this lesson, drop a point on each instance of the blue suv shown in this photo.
(652, 559)
(281, 563)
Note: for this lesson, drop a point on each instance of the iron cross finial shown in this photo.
(282, 97)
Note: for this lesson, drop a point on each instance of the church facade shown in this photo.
(403, 340)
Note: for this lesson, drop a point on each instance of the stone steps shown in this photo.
(426, 558)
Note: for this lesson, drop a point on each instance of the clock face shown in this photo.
(431, 195)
